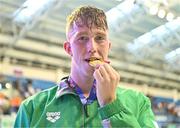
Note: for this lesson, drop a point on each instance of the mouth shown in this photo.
(93, 59)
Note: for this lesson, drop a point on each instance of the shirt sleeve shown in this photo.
(22, 118)
(121, 116)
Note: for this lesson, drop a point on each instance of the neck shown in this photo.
(84, 82)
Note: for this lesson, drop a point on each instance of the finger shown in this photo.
(114, 75)
(110, 70)
(103, 72)
(97, 75)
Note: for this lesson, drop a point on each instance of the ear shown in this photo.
(109, 45)
(67, 47)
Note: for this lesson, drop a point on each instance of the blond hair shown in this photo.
(88, 16)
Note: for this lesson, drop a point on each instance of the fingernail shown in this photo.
(97, 66)
(107, 61)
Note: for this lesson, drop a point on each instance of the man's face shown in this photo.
(86, 43)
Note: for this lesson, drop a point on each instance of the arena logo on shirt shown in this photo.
(53, 116)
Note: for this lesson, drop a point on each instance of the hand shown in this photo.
(107, 80)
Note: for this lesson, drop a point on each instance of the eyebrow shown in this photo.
(96, 33)
(81, 33)
(101, 33)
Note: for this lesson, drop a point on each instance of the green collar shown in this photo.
(64, 91)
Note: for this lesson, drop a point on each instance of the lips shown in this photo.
(93, 59)
(94, 63)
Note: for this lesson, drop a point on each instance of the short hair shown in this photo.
(87, 15)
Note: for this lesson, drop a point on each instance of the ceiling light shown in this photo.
(30, 9)
(173, 57)
(123, 13)
(153, 10)
(171, 54)
(161, 13)
(8, 85)
(154, 39)
(170, 16)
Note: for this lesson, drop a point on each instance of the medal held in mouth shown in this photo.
(93, 63)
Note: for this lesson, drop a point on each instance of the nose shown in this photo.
(92, 48)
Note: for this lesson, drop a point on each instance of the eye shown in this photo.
(83, 38)
(100, 38)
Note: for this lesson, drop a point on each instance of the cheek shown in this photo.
(104, 49)
(75, 48)
(79, 50)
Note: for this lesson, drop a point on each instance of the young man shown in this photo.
(89, 97)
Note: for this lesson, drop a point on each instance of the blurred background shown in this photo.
(145, 36)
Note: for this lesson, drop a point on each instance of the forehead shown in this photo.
(82, 29)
